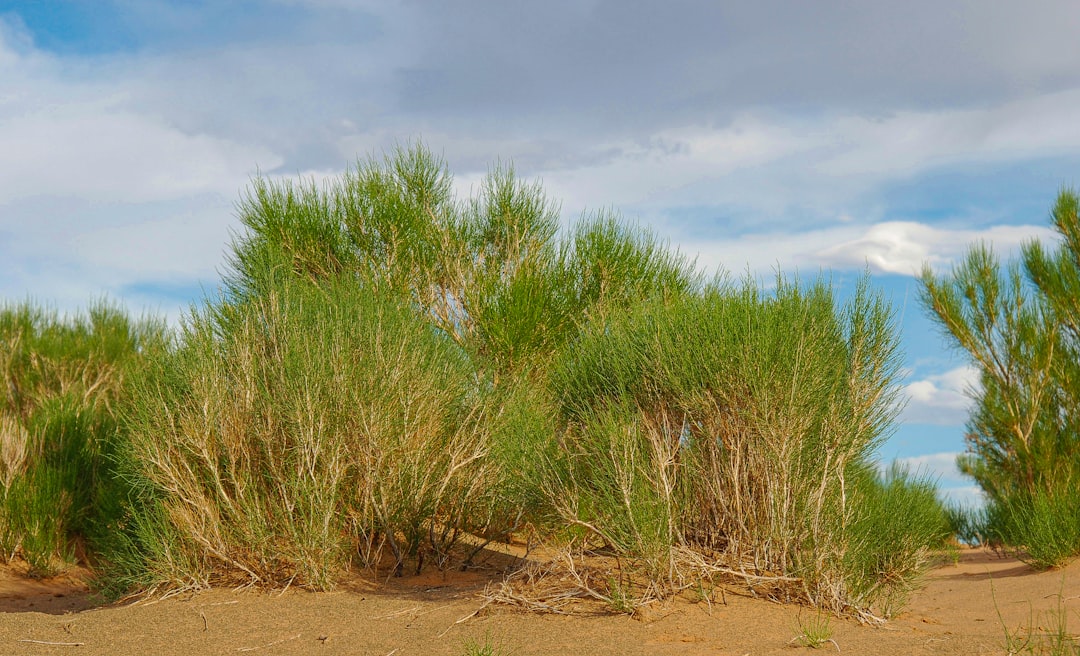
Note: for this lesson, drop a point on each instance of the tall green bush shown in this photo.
(294, 433)
(741, 424)
(388, 368)
(1020, 325)
(491, 271)
(62, 389)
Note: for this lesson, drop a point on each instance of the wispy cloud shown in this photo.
(102, 152)
(967, 496)
(941, 466)
(953, 486)
(900, 247)
(941, 399)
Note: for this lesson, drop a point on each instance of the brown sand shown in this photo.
(956, 613)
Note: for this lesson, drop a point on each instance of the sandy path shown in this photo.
(954, 614)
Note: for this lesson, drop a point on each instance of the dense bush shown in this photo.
(63, 382)
(742, 425)
(1021, 327)
(291, 431)
(388, 368)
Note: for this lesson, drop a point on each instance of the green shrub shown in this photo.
(1044, 526)
(388, 368)
(897, 522)
(1021, 327)
(309, 423)
(64, 381)
(970, 524)
(738, 424)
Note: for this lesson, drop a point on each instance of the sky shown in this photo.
(830, 136)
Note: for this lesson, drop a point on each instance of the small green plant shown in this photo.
(968, 524)
(1049, 636)
(486, 646)
(1018, 640)
(704, 590)
(1057, 639)
(815, 632)
(619, 597)
(951, 553)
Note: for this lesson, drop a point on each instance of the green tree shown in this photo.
(1020, 325)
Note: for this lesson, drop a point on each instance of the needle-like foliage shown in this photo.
(62, 383)
(1019, 325)
(388, 368)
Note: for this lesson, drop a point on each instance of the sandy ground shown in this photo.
(961, 610)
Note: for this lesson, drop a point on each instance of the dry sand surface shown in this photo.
(956, 613)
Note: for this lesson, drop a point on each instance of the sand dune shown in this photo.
(961, 610)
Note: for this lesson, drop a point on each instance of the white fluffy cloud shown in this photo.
(941, 399)
(965, 496)
(70, 128)
(100, 196)
(781, 166)
(900, 247)
(101, 151)
(941, 466)
(908, 141)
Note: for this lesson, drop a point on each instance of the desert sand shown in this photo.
(963, 608)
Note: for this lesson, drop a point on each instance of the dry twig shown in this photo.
(269, 644)
(55, 644)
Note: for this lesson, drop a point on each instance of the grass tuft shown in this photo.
(486, 646)
(816, 632)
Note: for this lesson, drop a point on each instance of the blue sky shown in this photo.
(825, 136)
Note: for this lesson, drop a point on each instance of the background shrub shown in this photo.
(1020, 325)
(64, 380)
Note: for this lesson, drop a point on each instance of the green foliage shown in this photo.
(1049, 636)
(389, 367)
(1046, 524)
(63, 383)
(1020, 326)
(897, 522)
(315, 419)
(490, 272)
(969, 524)
(815, 632)
(486, 646)
(741, 423)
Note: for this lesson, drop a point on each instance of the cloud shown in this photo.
(941, 399)
(621, 65)
(899, 247)
(74, 251)
(792, 170)
(747, 141)
(905, 141)
(941, 466)
(966, 496)
(102, 196)
(953, 486)
(101, 152)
